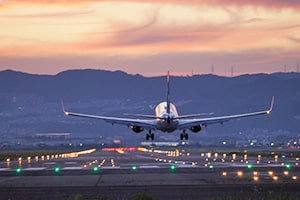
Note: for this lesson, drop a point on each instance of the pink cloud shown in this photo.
(247, 43)
(50, 14)
(256, 3)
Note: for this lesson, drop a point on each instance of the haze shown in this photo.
(150, 37)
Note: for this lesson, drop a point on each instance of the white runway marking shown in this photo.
(72, 168)
(186, 166)
(116, 167)
(49, 163)
(34, 169)
(149, 167)
(70, 163)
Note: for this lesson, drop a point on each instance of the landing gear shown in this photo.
(184, 135)
(149, 135)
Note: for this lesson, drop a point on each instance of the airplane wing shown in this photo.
(187, 123)
(148, 124)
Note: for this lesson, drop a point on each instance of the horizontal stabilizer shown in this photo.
(143, 116)
(193, 115)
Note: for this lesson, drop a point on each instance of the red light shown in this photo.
(120, 149)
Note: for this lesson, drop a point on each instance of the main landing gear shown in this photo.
(184, 135)
(149, 135)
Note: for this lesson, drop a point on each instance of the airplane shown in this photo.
(167, 119)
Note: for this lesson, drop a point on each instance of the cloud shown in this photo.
(49, 14)
(268, 4)
(294, 39)
(137, 35)
(294, 4)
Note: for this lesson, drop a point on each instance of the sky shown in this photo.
(224, 37)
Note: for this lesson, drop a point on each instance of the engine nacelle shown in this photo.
(137, 129)
(196, 129)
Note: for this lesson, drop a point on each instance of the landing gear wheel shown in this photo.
(181, 136)
(184, 135)
(152, 136)
(149, 136)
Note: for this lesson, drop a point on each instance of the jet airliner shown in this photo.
(167, 119)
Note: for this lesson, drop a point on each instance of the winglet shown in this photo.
(271, 107)
(63, 108)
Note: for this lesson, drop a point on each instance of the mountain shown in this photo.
(30, 103)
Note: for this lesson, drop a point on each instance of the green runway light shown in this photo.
(56, 169)
(211, 166)
(288, 166)
(18, 170)
(134, 168)
(95, 169)
(249, 166)
(172, 167)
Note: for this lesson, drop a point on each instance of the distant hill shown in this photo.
(31, 103)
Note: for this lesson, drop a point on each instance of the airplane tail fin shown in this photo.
(168, 93)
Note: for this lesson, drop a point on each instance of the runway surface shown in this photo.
(158, 174)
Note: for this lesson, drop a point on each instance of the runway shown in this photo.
(158, 174)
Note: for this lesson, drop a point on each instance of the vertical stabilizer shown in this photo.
(168, 92)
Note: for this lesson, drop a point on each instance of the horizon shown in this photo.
(158, 75)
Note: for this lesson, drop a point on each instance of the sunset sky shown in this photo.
(150, 37)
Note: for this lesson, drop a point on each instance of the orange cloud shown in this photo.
(256, 3)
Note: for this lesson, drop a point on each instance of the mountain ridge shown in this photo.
(37, 97)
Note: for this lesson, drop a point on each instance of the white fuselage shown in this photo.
(165, 120)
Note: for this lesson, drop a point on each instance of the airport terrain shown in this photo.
(132, 173)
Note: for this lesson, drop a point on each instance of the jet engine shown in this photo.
(137, 129)
(196, 129)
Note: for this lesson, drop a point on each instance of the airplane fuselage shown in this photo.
(166, 122)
